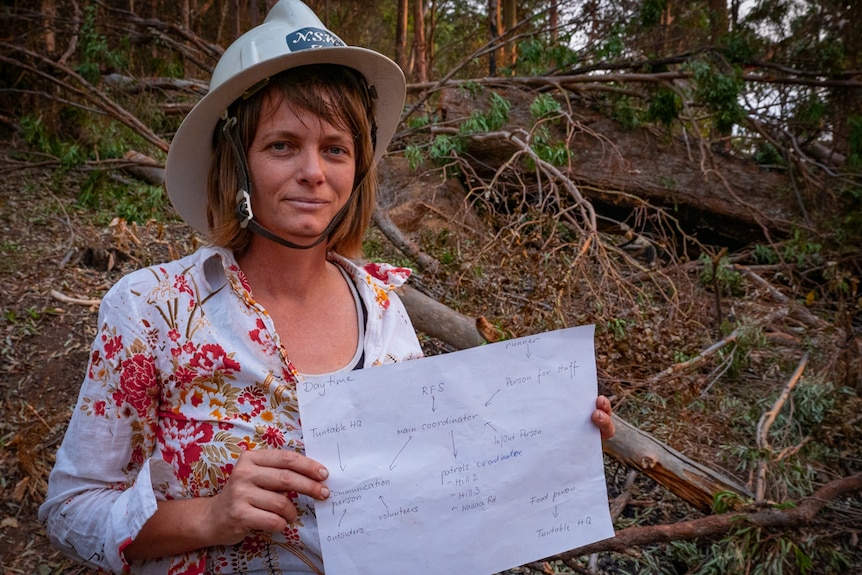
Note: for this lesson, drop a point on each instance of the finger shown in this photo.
(283, 471)
(604, 404)
(604, 422)
(288, 459)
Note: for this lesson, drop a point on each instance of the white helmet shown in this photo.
(291, 36)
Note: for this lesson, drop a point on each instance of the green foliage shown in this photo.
(624, 112)
(544, 106)
(535, 56)
(664, 106)
(109, 199)
(413, 155)
(94, 49)
(417, 122)
(740, 46)
(725, 501)
(764, 254)
(619, 327)
(802, 251)
(651, 11)
(719, 92)
(613, 45)
(768, 155)
(725, 277)
(444, 147)
(494, 119)
(36, 134)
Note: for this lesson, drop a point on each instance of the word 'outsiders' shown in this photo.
(320, 386)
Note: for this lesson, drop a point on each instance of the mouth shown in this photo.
(306, 203)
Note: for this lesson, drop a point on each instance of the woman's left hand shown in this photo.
(602, 417)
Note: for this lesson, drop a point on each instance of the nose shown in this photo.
(311, 167)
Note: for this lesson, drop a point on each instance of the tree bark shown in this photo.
(421, 58)
(401, 35)
(494, 30)
(510, 20)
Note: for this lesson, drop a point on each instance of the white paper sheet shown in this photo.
(470, 462)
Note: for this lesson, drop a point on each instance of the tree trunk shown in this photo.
(494, 26)
(421, 59)
(401, 35)
(510, 19)
(49, 12)
(718, 20)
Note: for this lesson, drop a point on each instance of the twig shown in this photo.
(766, 421)
(677, 368)
(73, 300)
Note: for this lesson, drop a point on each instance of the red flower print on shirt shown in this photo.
(255, 398)
(273, 437)
(183, 443)
(95, 362)
(112, 345)
(388, 273)
(184, 376)
(138, 386)
(182, 285)
(211, 358)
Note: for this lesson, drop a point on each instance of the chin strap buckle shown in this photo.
(243, 208)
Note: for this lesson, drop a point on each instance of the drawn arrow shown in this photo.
(341, 465)
(342, 517)
(528, 349)
(487, 403)
(454, 451)
(555, 511)
(392, 465)
(433, 403)
(488, 423)
(380, 497)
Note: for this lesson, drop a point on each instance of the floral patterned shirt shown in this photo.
(186, 372)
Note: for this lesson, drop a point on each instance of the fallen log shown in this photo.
(144, 168)
(442, 322)
(696, 484)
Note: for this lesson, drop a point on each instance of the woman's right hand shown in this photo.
(257, 494)
(256, 497)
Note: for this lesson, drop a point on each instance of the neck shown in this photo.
(280, 271)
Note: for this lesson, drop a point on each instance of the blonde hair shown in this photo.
(337, 95)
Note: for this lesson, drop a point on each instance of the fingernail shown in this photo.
(324, 473)
(324, 493)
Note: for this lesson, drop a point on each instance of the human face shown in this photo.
(302, 171)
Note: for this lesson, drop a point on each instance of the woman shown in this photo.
(185, 452)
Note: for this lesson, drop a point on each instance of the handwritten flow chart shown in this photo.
(472, 462)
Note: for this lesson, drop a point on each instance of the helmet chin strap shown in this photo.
(244, 213)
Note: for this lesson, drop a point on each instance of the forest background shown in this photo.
(685, 175)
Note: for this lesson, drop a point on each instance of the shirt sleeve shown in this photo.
(104, 484)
